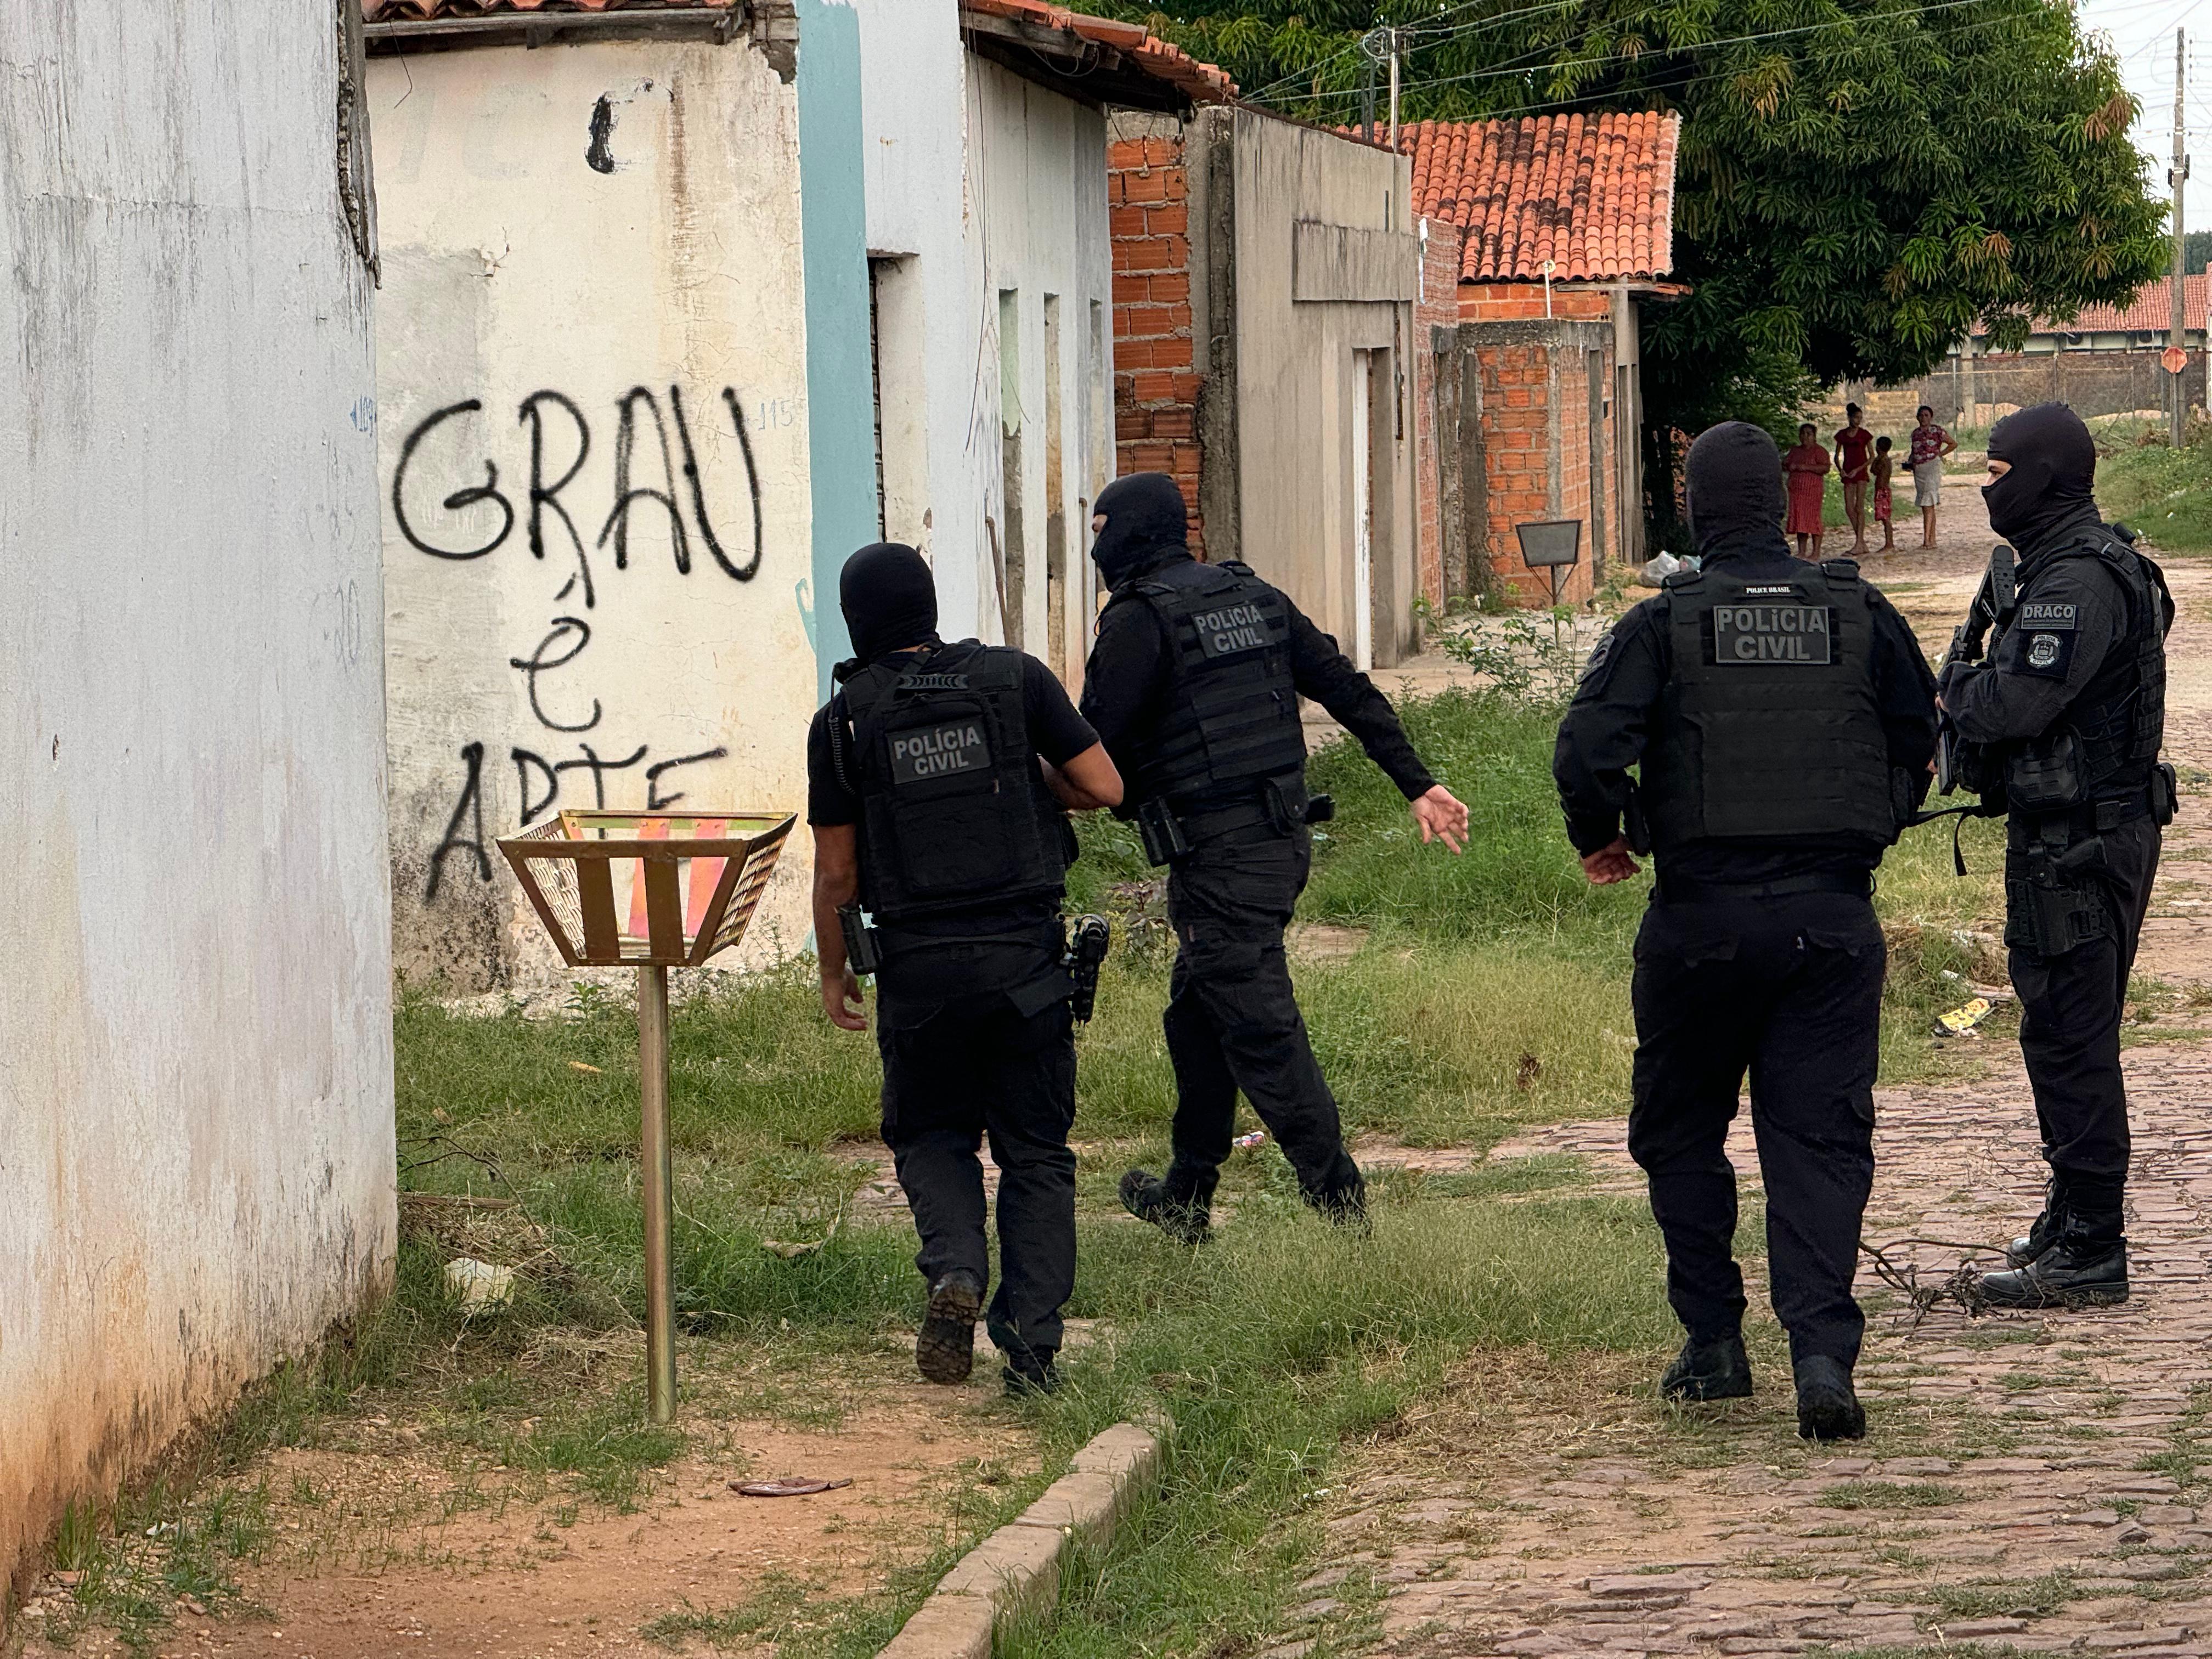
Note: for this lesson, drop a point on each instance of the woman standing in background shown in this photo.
(1805, 470)
(1852, 446)
(1930, 444)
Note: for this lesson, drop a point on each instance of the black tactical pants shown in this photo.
(1232, 1022)
(1790, 990)
(2071, 1005)
(973, 1068)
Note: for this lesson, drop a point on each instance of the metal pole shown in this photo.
(1394, 91)
(2178, 339)
(1367, 105)
(654, 1149)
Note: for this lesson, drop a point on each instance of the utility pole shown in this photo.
(2177, 339)
(1394, 91)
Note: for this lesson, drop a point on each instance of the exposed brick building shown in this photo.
(1563, 225)
(1155, 378)
(1266, 277)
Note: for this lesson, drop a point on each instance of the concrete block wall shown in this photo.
(1156, 376)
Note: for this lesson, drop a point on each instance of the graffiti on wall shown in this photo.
(448, 502)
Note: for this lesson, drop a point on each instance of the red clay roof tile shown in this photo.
(1202, 83)
(1593, 194)
(384, 10)
(2150, 311)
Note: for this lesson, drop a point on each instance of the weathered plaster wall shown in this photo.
(595, 242)
(1037, 175)
(196, 1133)
(927, 252)
(1297, 374)
(982, 184)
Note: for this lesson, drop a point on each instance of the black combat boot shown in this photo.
(1346, 1203)
(1715, 1370)
(1179, 1206)
(2048, 1225)
(1827, 1405)
(1031, 1373)
(944, 1352)
(2085, 1267)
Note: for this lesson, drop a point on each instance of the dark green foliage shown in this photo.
(1859, 180)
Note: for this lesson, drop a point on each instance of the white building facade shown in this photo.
(196, 1122)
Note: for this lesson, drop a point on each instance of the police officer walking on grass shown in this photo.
(1194, 688)
(1782, 718)
(936, 777)
(2063, 723)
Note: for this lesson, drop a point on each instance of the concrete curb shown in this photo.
(1015, 1570)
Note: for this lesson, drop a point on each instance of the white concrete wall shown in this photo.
(1037, 167)
(543, 273)
(196, 1133)
(981, 182)
(1298, 378)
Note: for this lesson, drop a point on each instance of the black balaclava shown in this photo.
(889, 599)
(1144, 522)
(2049, 492)
(1733, 482)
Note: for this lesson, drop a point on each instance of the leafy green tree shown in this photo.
(1859, 180)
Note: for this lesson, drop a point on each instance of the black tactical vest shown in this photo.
(1769, 728)
(1231, 720)
(954, 813)
(2118, 720)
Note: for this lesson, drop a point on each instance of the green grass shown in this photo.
(2162, 493)
(1491, 992)
(1888, 1495)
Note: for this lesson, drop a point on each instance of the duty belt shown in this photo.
(1671, 889)
(2093, 819)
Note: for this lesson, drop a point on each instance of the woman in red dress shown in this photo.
(1805, 471)
(1851, 444)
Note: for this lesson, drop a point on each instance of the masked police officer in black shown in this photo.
(2066, 716)
(935, 780)
(1783, 718)
(1194, 687)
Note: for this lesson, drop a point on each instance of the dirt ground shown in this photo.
(399, 1544)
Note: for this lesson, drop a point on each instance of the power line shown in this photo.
(1518, 66)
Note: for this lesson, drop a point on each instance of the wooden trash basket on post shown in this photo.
(649, 891)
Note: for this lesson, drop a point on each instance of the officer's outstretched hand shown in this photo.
(840, 1000)
(1442, 816)
(1610, 863)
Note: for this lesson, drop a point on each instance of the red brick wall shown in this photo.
(1436, 306)
(1156, 377)
(1499, 303)
(1516, 387)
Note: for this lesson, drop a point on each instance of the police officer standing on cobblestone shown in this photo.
(935, 779)
(2065, 718)
(1782, 718)
(1194, 687)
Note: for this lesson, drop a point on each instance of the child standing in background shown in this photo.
(1805, 471)
(1882, 468)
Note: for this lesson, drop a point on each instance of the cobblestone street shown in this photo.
(2029, 1483)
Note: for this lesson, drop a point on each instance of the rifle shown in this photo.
(1992, 607)
(1086, 950)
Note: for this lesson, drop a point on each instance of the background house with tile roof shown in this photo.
(2104, 362)
(683, 302)
(1563, 228)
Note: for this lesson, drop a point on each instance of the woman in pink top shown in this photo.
(1852, 446)
(1805, 471)
(1930, 444)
